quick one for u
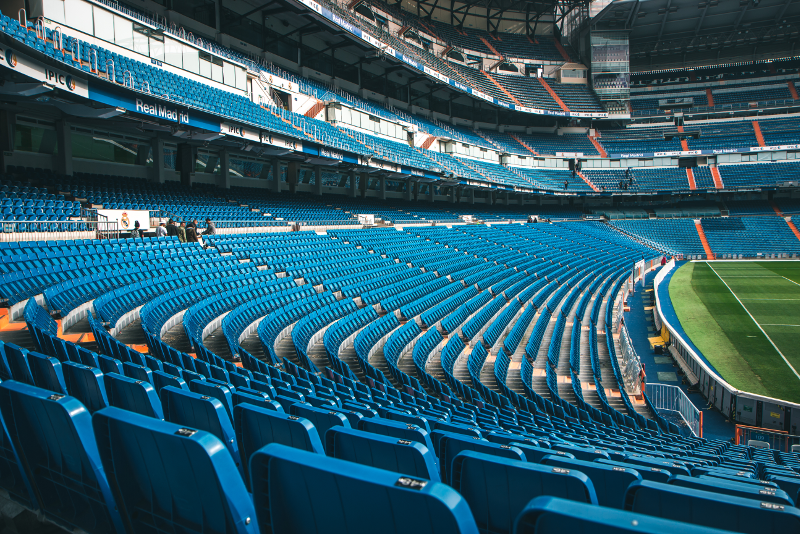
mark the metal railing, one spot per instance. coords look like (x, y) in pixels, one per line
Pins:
(631, 364)
(777, 439)
(672, 399)
(57, 230)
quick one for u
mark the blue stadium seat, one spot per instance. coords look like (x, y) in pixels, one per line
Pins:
(52, 433)
(321, 418)
(85, 384)
(134, 395)
(450, 445)
(737, 489)
(46, 373)
(399, 455)
(193, 410)
(169, 478)
(710, 509)
(497, 489)
(610, 482)
(320, 494)
(551, 515)
(256, 427)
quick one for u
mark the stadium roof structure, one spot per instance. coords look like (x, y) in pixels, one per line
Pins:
(708, 31)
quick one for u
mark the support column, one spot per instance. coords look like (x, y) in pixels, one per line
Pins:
(64, 158)
(453, 195)
(318, 180)
(431, 192)
(7, 121)
(292, 176)
(383, 187)
(352, 184)
(508, 196)
(157, 173)
(276, 175)
(184, 163)
(472, 196)
(224, 176)
(409, 188)
(362, 184)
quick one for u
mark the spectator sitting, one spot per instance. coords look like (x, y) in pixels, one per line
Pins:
(136, 232)
(161, 230)
(210, 228)
(182, 232)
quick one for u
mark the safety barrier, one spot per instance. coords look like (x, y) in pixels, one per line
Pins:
(666, 397)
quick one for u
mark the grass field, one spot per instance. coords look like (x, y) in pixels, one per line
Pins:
(745, 318)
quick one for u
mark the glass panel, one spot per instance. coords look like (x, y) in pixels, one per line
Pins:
(173, 52)
(205, 68)
(54, 10)
(241, 79)
(216, 72)
(156, 49)
(140, 43)
(228, 74)
(191, 59)
(123, 32)
(103, 24)
(78, 15)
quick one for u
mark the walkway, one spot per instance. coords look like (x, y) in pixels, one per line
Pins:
(659, 367)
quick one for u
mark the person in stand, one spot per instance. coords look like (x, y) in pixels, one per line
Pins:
(172, 229)
(182, 232)
(663, 261)
(191, 234)
(210, 228)
(137, 231)
(192, 224)
(161, 230)
(566, 184)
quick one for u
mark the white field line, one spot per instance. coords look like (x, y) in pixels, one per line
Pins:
(756, 322)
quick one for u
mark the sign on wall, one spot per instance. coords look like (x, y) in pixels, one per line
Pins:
(127, 218)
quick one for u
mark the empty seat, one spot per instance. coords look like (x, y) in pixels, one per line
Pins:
(168, 478)
(256, 427)
(52, 434)
(46, 373)
(399, 455)
(18, 364)
(162, 380)
(321, 419)
(610, 482)
(320, 494)
(551, 515)
(727, 487)
(193, 410)
(497, 489)
(133, 395)
(711, 509)
(450, 445)
(385, 427)
(85, 384)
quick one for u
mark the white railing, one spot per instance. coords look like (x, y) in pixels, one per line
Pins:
(667, 398)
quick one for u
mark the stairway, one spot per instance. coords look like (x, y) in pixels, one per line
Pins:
(709, 97)
(684, 142)
(315, 110)
(793, 90)
(523, 143)
(509, 95)
(690, 177)
(759, 136)
(792, 227)
(428, 142)
(598, 147)
(562, 51)
(588, 182)
(553, 94)
(490, 47)
(700, 232)
(717, 178)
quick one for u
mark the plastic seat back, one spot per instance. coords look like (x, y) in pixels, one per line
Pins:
(551, 515)
(321, 418)
(187, 408)
(134, 395)
(399, 455)
(711, 509)
(18, 364)
(737, 489)
(52, 434)
(498, 489)
(46, 372)
(167, 478)
(85, 384)
(320, 494)
(162, 380)
(610, 482)
(396, 429)
(256, 427)
(221, 393)
(450, 445)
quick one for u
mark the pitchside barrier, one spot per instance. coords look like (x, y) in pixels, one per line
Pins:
(662, 397)
(748, 409)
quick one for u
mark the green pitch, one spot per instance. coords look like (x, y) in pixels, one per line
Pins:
(745, 318)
